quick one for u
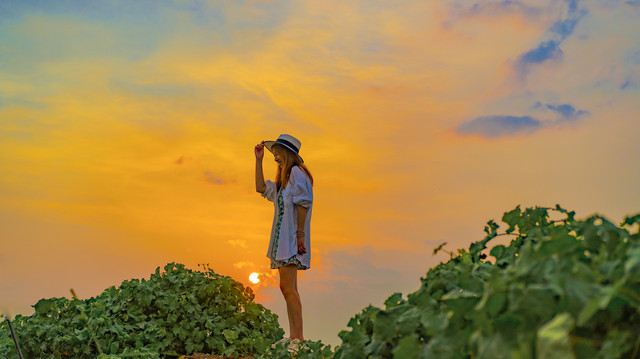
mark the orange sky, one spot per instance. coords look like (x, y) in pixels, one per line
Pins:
(127, 134)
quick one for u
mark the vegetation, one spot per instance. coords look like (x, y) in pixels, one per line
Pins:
(563, 288)
(178, 311)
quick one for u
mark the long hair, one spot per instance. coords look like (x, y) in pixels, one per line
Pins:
(288, 159)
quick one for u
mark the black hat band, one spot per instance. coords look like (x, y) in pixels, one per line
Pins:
(288, 144)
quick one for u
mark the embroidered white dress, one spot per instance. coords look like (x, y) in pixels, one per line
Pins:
(283, 245)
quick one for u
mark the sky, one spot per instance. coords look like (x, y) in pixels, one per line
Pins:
(127, 131)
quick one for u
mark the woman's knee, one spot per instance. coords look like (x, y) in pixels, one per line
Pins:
(287, 289)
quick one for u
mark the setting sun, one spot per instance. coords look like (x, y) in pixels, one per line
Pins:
(253, 278)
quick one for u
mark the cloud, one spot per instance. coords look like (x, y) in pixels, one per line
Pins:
(241, 265)
(545, 51)
(501, 125)
(631, 77)
(498, 126)
(564, 28)
(182, 160)
(566, 111)
(160, 90)
(357, 270)
(633, 2)
(549, 49)
(621, 75)
(210, 177)
(239, 243)
(628, 83)
(465, 9)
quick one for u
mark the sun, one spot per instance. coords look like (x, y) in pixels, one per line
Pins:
(253, 278)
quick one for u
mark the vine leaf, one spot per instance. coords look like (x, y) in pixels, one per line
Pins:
(435, 251)
(512, 218)
(553, 340)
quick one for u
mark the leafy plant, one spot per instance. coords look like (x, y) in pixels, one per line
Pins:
(316, 350)
(178, 311)
(561, 289)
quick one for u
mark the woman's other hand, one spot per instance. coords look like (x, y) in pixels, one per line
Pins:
(301, 248)
(259, 150)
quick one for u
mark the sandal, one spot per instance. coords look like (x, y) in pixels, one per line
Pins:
(284, 341)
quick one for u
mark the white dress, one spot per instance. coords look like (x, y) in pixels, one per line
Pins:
(283, 245)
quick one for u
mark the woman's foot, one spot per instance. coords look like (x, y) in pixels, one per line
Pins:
(296, 345)
(284, 341)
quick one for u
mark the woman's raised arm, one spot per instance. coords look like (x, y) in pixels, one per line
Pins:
(259, 151)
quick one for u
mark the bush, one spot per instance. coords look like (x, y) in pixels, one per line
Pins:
(561, 289)
(178, 311)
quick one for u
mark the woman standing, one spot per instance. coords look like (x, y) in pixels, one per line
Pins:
(289, 247)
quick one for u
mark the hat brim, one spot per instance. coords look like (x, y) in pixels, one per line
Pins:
(269, 144)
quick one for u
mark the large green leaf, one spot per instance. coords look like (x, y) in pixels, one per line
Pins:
(553, 340)
(408, 347)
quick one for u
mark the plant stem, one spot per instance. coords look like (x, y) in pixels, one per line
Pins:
(15, 339)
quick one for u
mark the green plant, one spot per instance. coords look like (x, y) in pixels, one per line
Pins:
(561, 289)
(316, 350)
(178, 311)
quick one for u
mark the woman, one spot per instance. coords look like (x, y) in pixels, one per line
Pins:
(289, 247)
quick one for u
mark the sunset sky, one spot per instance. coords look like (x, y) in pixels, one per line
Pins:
(127, 131)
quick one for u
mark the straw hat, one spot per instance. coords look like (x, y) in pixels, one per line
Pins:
(287, 141)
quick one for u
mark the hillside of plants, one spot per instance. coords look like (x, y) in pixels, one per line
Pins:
(561, 288)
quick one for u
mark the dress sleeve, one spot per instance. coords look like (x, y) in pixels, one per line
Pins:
(302, 189)
(270, 191)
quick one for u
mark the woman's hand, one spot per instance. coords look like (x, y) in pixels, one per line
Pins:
(301, 248)
(259, 150)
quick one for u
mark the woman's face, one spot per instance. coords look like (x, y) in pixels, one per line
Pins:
(276, 157)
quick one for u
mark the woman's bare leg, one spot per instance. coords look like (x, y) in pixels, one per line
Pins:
(289, 288)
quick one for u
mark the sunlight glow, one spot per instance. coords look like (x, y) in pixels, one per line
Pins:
(253, 278)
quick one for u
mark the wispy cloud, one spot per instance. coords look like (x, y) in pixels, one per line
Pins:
(621, 75)
(243, 264)
(182, 160)
(549, 49)
(498, 126)
(464, 9)
(353, 272)
(565, 27)
(631, 65)
(511, 125)
(238, 243)
(566, 111)
(630, 83)
(210, 177)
